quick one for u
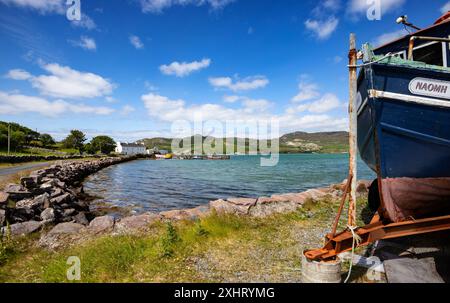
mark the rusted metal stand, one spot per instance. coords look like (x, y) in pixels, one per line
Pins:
(377, 230)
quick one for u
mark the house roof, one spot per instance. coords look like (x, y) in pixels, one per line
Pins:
(131, 145)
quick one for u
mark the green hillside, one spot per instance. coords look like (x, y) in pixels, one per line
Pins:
(297, 142)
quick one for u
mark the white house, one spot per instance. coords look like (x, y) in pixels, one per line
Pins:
(130, 148)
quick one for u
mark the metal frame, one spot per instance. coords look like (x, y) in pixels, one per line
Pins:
(376, 230)
(433, 41)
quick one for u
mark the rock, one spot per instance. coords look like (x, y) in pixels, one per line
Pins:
(47, 187)
(61, 199)
(17, 192)
(48, 214)
(57, 192)
(40, 202)
(66, 228)
(136, 223)
(2, 217)
(199, 212)
(81, 218)
(239, 206)
(267, 206)
(297, 198)
(61, 235)
(69, 212)
(363, 186)
(21, 214)
(102, 224)
(177, 215)
(223, 207)
(24, 228)
(4, 197)
(28, 182)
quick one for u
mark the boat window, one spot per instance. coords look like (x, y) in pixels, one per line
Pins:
(429, 54)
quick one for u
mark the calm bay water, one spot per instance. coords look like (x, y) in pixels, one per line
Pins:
(149, 185)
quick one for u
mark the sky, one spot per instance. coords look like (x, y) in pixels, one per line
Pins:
(130, 69)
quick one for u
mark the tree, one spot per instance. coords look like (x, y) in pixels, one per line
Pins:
(75, 140)
(89, 149)
(46, 140)
(103, 144)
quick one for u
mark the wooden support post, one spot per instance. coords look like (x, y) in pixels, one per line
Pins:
(352, 58)
(9, 138)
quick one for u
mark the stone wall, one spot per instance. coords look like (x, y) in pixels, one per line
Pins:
(50, 195)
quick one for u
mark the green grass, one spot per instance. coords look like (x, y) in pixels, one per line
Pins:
(218, 248)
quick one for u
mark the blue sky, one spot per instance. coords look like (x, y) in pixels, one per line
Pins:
(131, 68)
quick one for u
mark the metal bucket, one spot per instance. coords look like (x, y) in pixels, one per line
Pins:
(321, 272)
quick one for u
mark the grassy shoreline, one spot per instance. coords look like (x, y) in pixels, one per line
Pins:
(218, 248)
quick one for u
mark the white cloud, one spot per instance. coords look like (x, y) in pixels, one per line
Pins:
(158, 6)
(250, 30)
(184, 68)
(307, 91)
(136, 42)
(169, 110)
(127, 109)
(248, 83)
(326, 103)
(231, 99)
(18, 74)
(13, 104)
(361, 7)
(445, 8)
(388, 37)
(65, 82)
(85, 43)
(322, 29)
(85, 22)
(42, 6)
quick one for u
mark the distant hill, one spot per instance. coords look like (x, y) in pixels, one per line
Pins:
(297, 142)
(325, 142)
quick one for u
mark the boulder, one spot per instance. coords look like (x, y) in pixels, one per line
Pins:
(176, 215)
(265, 207)
(28, 182)
(61, 199)
(102, 224)
(17, 192)
(199, 212)
(24, 228)
(61, 235)
(39, 202)
(136, 223)
(224, 207)
(69, 212)
(239, 206)
(48, 214)
(66, 228)
(21, 214)
(81, 218)
(4, 197)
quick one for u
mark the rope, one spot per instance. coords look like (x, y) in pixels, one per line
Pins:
(356, 240)
(373, 62)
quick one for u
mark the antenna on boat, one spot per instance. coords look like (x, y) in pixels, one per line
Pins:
(404, 20)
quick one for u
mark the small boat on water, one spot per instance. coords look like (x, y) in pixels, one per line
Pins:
(403, 113)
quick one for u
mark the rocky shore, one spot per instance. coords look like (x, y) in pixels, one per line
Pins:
(52, 200)
(50, 196)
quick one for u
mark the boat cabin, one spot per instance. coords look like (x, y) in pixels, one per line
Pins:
(418, 47)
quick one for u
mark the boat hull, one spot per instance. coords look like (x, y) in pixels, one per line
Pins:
(404, 136)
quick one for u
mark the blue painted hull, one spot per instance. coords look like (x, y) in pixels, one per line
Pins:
(406, 143)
